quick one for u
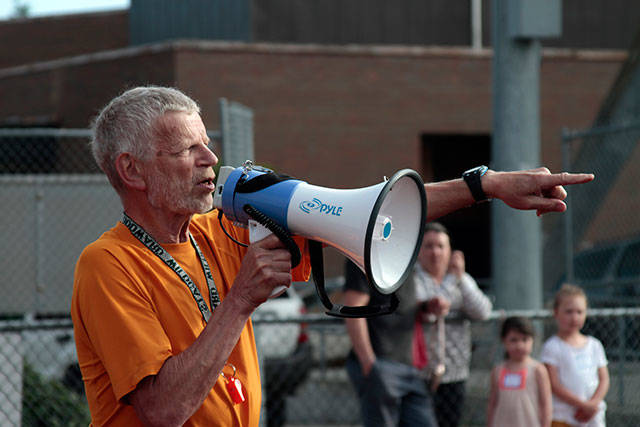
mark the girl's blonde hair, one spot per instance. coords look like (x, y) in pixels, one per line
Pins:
(568, 290)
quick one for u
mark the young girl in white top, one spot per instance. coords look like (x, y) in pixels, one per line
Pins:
(576, 363)
(520, 391)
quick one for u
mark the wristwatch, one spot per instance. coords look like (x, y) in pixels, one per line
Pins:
(473, 179)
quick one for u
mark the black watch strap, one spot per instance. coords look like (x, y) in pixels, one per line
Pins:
(473, 178)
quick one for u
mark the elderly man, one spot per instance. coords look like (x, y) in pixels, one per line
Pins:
(156, 316)
(152, 348)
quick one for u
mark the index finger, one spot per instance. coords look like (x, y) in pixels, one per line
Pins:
(565, 178)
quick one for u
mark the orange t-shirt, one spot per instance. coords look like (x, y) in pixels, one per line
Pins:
(131, 312)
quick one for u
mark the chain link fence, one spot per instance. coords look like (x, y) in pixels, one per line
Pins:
(39, 382)
(602, 228)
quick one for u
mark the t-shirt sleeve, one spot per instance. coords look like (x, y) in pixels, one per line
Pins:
(600, 355)
(119, 317)
(355, 279)
(548, 353)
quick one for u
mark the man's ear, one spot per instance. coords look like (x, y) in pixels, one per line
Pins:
(130, 171)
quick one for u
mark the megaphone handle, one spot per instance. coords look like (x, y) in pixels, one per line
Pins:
(275, 228)
(258, 232)
(338, 310)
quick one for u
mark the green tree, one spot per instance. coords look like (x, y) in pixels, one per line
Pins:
(49, 403)
(20, 9)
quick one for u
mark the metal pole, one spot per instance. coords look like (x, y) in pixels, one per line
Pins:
(517, 242)
(567, 217)
(476, 24)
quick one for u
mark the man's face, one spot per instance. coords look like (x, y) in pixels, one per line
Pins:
(435, 252)
(179, 175)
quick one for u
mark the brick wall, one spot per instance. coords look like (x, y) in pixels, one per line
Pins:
(24, 41)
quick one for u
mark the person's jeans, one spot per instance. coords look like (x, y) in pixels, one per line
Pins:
(448, 402)
(393, 394)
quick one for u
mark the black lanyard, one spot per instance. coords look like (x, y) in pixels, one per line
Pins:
(144, 237)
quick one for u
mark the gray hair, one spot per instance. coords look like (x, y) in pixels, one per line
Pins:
(127, 125)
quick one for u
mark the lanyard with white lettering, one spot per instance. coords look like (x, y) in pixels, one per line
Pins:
(144, 237)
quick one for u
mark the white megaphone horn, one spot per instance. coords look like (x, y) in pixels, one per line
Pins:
(380, 228)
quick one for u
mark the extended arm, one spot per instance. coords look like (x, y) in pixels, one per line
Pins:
(359, 331)
(172, 395)
(535, 189)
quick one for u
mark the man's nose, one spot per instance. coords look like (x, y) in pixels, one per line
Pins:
(207, 157)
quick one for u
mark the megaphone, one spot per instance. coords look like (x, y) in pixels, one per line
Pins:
(379, 228)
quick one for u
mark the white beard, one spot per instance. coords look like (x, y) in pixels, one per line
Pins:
(165, 192)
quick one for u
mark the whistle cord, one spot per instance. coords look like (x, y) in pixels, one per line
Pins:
(244, 245)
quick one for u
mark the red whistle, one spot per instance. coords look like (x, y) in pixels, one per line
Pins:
(234, 387)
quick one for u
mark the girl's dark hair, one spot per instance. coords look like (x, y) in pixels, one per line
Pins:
(518, 324)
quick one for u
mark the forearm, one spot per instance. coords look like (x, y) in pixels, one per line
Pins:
(545, 411)
(566, 395)
(445, 197)
(358, 331)
(176, 392)
(544, 396)
(476, 305)
(603, 386)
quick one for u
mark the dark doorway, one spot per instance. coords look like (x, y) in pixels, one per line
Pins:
(447, 156)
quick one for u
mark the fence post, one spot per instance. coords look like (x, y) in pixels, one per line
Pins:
(622, 355)
(567, 216)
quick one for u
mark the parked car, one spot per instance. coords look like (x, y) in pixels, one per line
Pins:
(46, 346)
(610, 274)
(52, 353)
(285, 351)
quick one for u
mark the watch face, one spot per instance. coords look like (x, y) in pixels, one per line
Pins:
(480, 170)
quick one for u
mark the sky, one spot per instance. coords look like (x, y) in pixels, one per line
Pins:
(39, 8)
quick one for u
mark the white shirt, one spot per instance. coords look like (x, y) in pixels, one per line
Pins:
(577, 371)
(467, 302)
